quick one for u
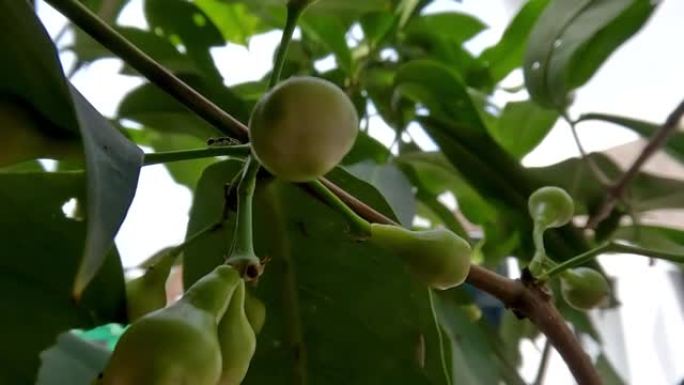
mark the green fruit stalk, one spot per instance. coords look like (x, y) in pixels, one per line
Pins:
(584, 288)
(236, 338)
(178, 344)
(438, 257)
(302, 128)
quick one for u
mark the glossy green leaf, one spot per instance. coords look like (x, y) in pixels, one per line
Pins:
(674, 144)
(508, 53)
(42, 245)
(320, 276)
(572, 39)
(112, 165)
(522, 126)
(454, 26)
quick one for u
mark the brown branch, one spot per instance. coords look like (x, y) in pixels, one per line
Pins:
(617, 190)
(80, 15)
(528, 300)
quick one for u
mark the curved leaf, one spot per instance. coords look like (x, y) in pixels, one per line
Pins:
(572, 39)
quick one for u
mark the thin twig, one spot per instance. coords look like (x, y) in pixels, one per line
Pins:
(156, 73)
(617, 190)
(593, 167)
(543, 364)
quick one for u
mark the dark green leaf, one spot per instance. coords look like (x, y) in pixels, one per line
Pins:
(508, 53)
(184, 23)
(522, 126)
(30, 71)
(330, 32)
(572, 39)
(455, 27)
(158, 48)
(41, 251)
(674, 145)
(327, 295)
(113, 165)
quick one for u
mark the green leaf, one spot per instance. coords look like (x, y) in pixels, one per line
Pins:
(41, 251)
(157, 47)
(328, 295)
(665, 239)
(366, 148)
(155, 109)
(476, 355)
(607, 372)
(30, 71)
(329, 31)
(440, 90)
(454, 26)
(572, 39)
(235, 21)
(392, 184)
(107, 10)
(72, 361)
(674, 145)
(508, 53)
(112, 165)
(522, 126)
(184, 23)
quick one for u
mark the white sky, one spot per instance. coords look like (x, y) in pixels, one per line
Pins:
(644, 79)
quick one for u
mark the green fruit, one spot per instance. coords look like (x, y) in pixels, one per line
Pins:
(551, 207)
(302, 128)
(438, 258)
(178, 344)
(256, 312)
(237, 339)
(147, 293)
(584, 288)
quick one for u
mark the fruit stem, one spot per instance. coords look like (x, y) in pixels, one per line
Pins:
(153, 158)
(242, 237)
(578, 260)
(294, 10)
(361, 225)
(537, 264)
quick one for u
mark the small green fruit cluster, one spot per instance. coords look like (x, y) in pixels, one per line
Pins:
(204, 338)
(302, 128)
(438, 257)
(551, 207)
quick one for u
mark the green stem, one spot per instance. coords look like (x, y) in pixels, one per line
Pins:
(81, 16)
(360, 224)
(175, 156)
(242, 239)
(537, 264)
(578, 260)
(294, 10)
(622, 248)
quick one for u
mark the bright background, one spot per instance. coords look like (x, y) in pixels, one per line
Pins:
(644, 79)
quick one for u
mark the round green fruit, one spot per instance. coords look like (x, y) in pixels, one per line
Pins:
(303, 128)
(438, 257)
(551, 206)
(584, 288)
